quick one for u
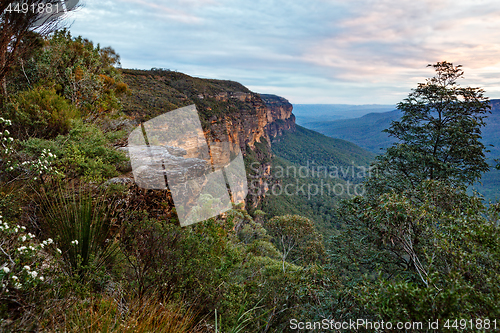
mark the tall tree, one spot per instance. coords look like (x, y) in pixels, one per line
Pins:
(439, 134)
(297, 239)
(18, 19)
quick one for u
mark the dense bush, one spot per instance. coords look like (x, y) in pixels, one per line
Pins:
(27, 269)
(84, 152)
(80, 72)
(80, 222)
(432, 258)
(40, 112)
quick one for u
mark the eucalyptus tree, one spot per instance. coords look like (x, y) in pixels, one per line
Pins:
(438, 134)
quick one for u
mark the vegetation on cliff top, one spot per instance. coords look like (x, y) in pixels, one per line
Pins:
(80, 252)
(109, 251)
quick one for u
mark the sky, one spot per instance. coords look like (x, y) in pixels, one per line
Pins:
(308, 51)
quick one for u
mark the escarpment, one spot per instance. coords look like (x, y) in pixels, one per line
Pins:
(229, 112)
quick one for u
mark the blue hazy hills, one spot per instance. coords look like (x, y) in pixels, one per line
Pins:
(363, 125)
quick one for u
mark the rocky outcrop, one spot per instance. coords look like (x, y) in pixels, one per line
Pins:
(228, 111)
(279, 113)
(260, 117)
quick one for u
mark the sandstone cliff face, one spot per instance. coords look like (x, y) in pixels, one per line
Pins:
(267, 117)
(228, 112)
(279, 113)
(252, 128)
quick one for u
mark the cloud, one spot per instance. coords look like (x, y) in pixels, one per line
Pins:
(392, 41)
(341, 48)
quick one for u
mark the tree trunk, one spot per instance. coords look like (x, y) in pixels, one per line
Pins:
(4, 86)
(3, 76)
(3, 63)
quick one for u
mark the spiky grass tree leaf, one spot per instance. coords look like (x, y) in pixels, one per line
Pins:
(80, 222)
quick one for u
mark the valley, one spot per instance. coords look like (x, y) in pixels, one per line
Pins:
(366, 132)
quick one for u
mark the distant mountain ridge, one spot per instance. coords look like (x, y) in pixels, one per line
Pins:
(306, 113)
(366, 131)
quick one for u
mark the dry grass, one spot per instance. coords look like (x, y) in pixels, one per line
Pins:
(108, 315)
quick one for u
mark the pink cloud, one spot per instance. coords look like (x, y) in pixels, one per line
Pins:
(384, 40)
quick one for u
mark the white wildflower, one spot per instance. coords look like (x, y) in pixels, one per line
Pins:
(5, 269)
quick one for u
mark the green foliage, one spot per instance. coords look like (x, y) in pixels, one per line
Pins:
(168, 259)
(80, 222)
(7, 143)
(435, 251)
(84, 152)
(82, 73)
(439, 134)
(243, 320)
(305, 146)
(316, 195)
(417, 247)
(27, 266)
(40, 112)
(297, 239)
(79, 73)
(295, 293)
(463, 282)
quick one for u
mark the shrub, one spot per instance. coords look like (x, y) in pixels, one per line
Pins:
(84, 152)
(40, 112)
(26, 268)
(81, 72)
(297, 239)
(80, 223)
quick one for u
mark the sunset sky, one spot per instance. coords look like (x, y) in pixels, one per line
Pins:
(308, 51)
